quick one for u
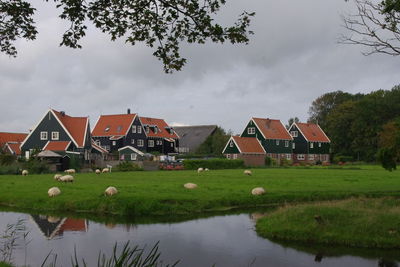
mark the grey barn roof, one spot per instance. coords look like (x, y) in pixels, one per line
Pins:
(193, 136)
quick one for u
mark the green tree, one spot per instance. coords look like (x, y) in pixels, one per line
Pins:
(389, 143)
(291, 121)
(160, 24)
(214, 144)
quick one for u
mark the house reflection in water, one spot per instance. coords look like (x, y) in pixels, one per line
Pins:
(55, 226)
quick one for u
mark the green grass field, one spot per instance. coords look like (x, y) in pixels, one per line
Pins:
(162, 192)
(355, 222)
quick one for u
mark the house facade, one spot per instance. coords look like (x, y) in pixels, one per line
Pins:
(59, 132)
(113, 132)
(310, 143)
(249, 149)
(273, 136)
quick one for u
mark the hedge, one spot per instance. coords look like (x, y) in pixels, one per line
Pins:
(213, 164)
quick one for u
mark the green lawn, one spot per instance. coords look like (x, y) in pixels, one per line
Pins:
(162, 192)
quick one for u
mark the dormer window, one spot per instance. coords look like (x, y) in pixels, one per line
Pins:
(107, 129)
(147, 129)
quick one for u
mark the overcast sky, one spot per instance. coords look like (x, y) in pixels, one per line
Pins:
(292, 59)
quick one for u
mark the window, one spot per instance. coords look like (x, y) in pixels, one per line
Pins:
(319, 144)
(133, 128)
(172, 144)
(251, 130)
(133, 141)
(139, 129)
(114, 143)
(293, 145)
(294, 133)
(55, 135)
(43, 135)
(155, 130)
(228, 156)
(147, 129)
(311, 157)
(107, 129)
(311, 145)
(286, 143)
(133, 156)
(231, 143)
(235, 156)
(97, 142)
(288, 156)
(151, 143)
(159, 142)
(301, 157)
(277, 142)
(140, 142)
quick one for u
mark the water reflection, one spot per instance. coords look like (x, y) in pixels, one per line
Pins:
(224, 240)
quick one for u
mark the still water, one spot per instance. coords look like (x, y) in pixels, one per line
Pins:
(228, 240)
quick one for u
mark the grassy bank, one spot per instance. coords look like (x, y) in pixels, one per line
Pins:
(162, 192)
(361, 222)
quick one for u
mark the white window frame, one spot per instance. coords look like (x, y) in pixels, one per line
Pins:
(235, 156)
(97, 142)
(114, 143)
(277, 142)
(319, 144)
(251, 130)
(133, 128)
(293, 145)
(301, 157)
(288, 156)
(150, 143)
(140, 142)
(294, 133)
(311, 144)
(147, 129)
(139, 129)
(55, 135)
(286, 143)
(311, 156)
(228, 156)
(132, 141)
(43, 136)
(133, 156)
(159, 142)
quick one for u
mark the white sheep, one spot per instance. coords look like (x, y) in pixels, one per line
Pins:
(105, 170)
(111, 190)
(190, 186)
(199, 170)
(97, 171)
(25, 172)
(70, 171)
(206, 169)
(66, 178)
(247, 172)
(57, 177)
(258, 191)
(54, 191)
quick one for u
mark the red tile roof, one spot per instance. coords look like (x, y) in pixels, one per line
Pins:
(248, 145)
(272, 129)
(57, 145)
(110, 125)
(161, 125)
(74, 225)
(312, 132)
(14, 147)
(76, 126)
(12, 137)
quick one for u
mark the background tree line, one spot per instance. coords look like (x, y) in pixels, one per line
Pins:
(362, 126)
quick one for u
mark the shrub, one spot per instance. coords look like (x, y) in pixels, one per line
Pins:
(268, 161)
(7, 159)
(35, 166)
(342, 158)
(127, 166)
(10, 169)
(213, 164)
(285, 162)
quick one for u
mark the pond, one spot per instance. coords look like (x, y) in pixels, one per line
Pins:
(223, 240)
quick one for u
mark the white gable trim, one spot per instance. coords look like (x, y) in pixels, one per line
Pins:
(238, 147)
(130, 125)
(44, 148)
(65, 129)
(141, 125)
(223, 151)
(252, 119)
(34, 128)
(86, 130)
(301, 132)
(133, 149)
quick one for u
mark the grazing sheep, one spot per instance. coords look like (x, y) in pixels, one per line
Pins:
(105, 170)
(25, 172)
(190, 186)
(206, 169)
(111, 190)
(97, 171)
(54, 191)
(199, 170)
(66, 178)
(258, 191)
(247, 172)
(70, 171)
(57, 177)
